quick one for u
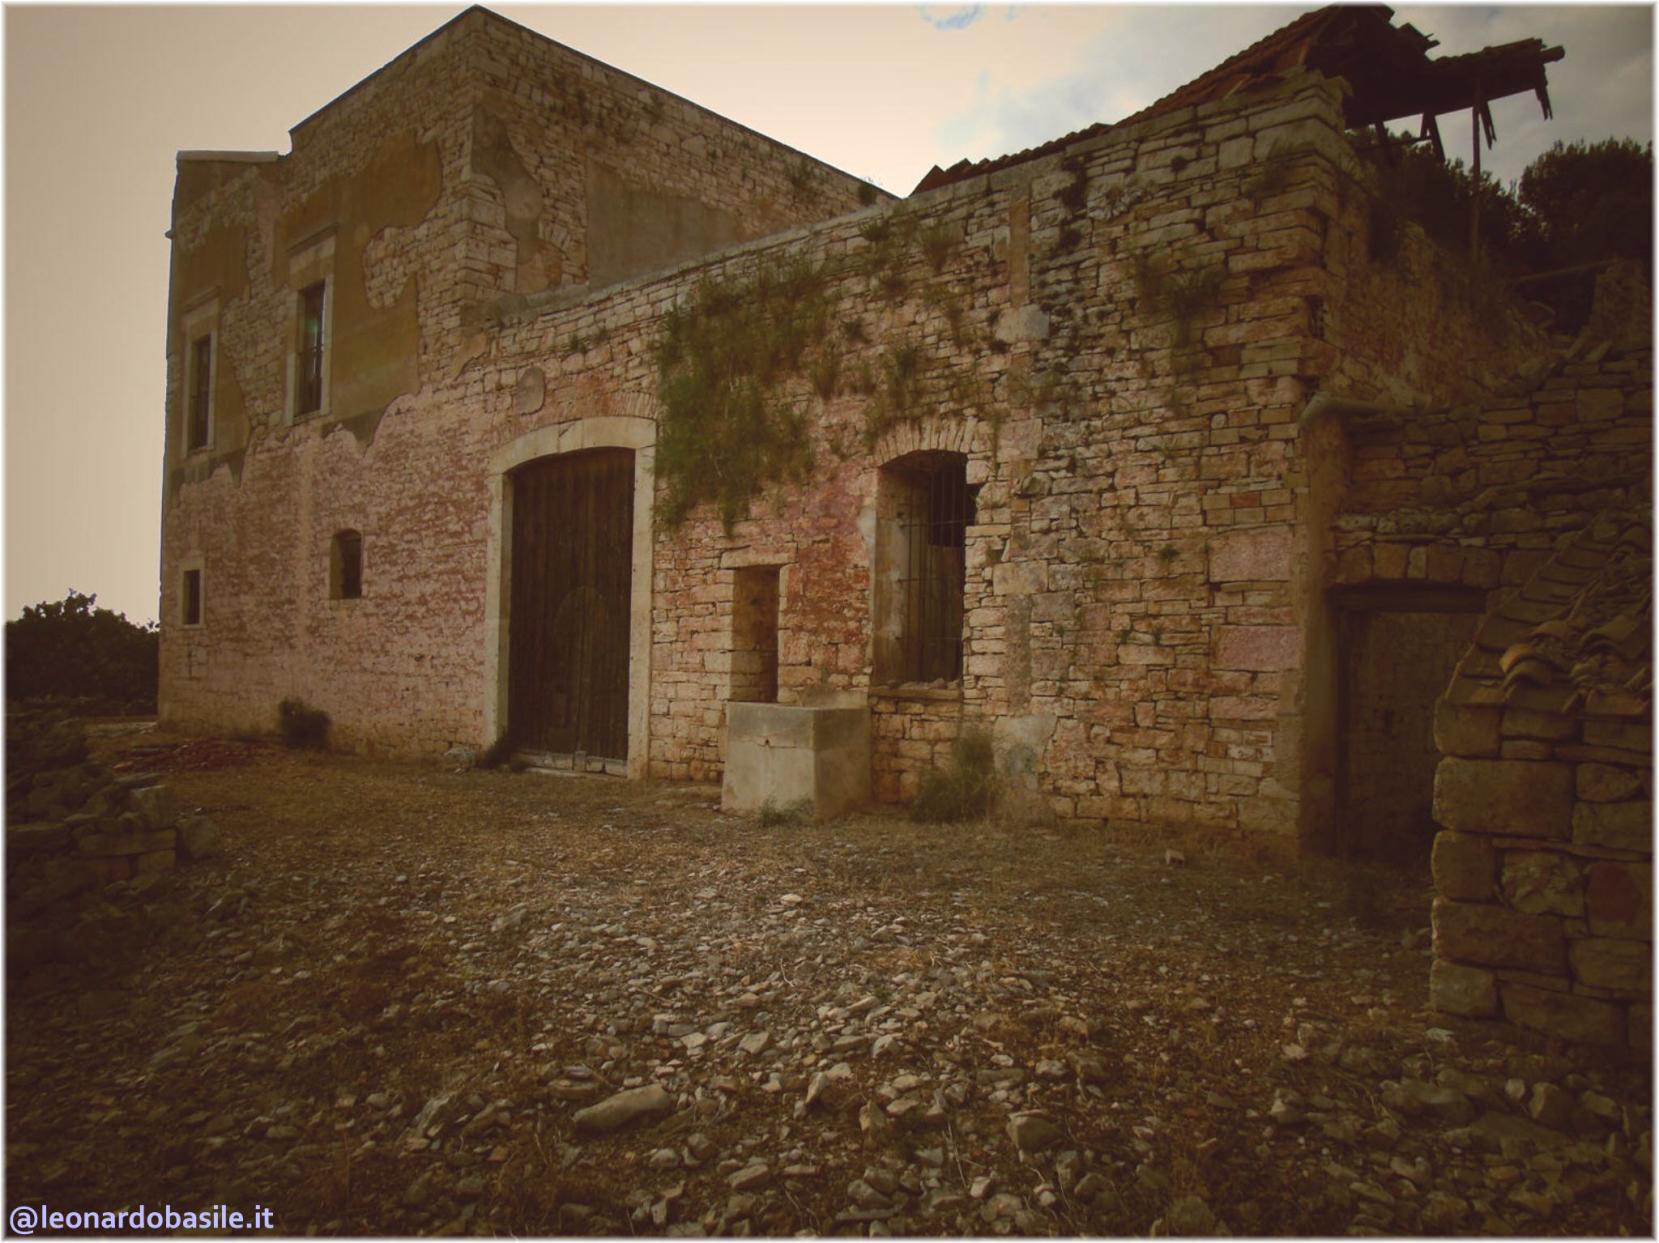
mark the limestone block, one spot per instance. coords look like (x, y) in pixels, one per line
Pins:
(1494, 937)
(1465, 866)
(1520, 723)
(1538, 882)
(1620, 899)
(1024, 323)
(1607, 783)
(788, 755)
(1254, 554)
(199, 837)
(1468, 991)
(1257, 647)
(155, 806)
(1468, 730)
(531, 390)
(1622, 966)
(1639, 1031)
(153, 861)
(1019, 578)
(1582, 1019)
(105, 844)
(1522, 798)
(1623, 826)
(1626, 735)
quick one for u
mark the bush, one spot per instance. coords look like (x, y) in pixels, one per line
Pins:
(70, 649)
(301, 725)
(964, 789)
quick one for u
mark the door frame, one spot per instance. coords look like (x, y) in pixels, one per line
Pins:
(1352, 607)
(601, 432)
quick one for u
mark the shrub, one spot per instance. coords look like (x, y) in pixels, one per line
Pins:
(301, 725)
(71, 649)
(965, 788)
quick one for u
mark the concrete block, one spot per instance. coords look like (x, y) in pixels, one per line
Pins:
(789, 755)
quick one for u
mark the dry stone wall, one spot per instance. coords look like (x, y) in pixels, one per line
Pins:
(1544, 866)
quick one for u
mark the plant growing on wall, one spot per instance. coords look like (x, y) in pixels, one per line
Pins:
(727, 427)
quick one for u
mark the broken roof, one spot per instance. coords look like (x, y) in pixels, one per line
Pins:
(1387, 66)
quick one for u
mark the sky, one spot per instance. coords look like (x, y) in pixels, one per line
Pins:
(98, 100)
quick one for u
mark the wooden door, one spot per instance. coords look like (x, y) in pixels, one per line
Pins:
(573, 524)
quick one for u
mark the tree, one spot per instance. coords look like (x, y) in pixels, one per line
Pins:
(1591, 201)
(72, 649)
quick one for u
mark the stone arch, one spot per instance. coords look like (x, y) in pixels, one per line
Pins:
(601, 432)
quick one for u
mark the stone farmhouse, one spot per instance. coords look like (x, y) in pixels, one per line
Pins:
(524, 403)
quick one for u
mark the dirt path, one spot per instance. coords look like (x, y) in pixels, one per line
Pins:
(381, 1011)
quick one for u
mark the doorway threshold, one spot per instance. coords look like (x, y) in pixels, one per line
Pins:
(569, 765)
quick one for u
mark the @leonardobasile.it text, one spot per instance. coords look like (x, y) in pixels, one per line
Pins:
(40, 1218)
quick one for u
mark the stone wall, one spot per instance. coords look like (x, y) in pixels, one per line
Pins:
(1544, 867)
(1131, 621)
(1129, 340)
(428, 210)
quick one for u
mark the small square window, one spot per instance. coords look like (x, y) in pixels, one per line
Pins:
(199, 401)
(345, 566)
(191, 606)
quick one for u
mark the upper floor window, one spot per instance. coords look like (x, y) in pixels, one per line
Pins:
(311, 329)
(199, 330)
(199, 399)
(345, 566)
(310, 360)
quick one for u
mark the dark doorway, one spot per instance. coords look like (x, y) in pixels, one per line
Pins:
(1399, 648)
(573, 523)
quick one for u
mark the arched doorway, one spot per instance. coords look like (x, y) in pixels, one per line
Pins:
(571, 588)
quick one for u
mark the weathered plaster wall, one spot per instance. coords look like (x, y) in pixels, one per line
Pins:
(414, 186)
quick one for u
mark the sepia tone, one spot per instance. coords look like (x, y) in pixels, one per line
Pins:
(1261, 531)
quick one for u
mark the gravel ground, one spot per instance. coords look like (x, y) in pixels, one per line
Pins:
(414, 1001)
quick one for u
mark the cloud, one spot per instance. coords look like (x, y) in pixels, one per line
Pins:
(952, 19)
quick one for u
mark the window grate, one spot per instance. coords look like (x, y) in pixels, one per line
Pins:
(940, 508)
(311, 348)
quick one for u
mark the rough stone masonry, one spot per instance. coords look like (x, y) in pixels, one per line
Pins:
(1125, 449)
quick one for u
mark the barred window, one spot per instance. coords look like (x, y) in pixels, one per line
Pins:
(311, 348)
